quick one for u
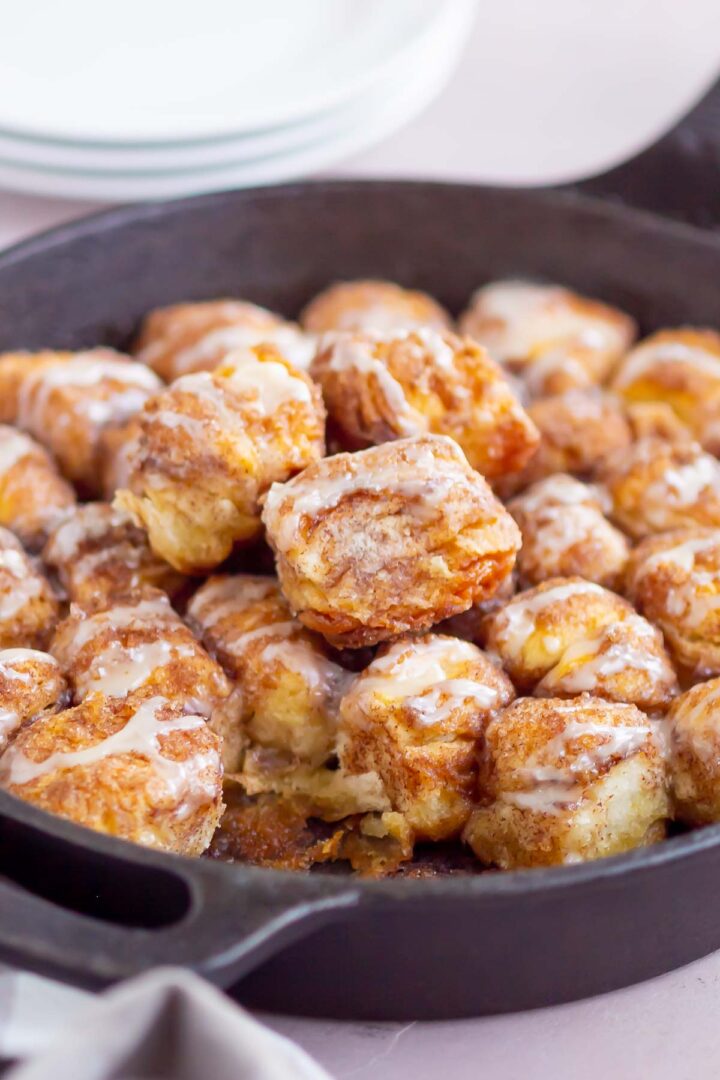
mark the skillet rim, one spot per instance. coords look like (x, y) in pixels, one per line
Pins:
(489, 884)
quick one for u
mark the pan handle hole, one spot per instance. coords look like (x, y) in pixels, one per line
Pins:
(104, 887)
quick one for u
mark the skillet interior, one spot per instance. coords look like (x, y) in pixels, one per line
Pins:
(415, 949)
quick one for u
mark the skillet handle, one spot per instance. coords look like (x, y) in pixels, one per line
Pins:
(91, 910)
(678, 176)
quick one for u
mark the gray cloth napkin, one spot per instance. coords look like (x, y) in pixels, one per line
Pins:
(168, 1023)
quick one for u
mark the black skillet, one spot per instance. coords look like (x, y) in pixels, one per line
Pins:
(90, 909)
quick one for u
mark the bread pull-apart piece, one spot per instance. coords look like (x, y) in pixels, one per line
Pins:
(28, 605)
(33, 494)
(31, 684)
(66, 400)
(118, 447)
(211, 444)
(373, 305)
(570, 636)
(674, 579)
(531, 631)
(554, 338)
(681, 370)
(568, 781)
(624, 661)
(145, 771)
(138, 646)
(577, 430)
(388, 540)
(184, 338)
(693, 735)
(655, 486)
(290, 688)
(414, 717)
(565, 533)
(382, 388)
(99, 553)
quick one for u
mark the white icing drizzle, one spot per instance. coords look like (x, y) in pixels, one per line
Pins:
(349, 352)
(555, 491)
(682, 485)
(298, 347)
(319, 674)
(269, 384)
(124, 616)
(177, 420)
(519, 614)
(8, 722)
(8, 657)
(534, 318)
(421, 478)
(653, 353)
(697, 725)
(417, 675)
(639, 651)
(210, 393)
(226, 596)
(140, 735)
(238, 642)
(14, 446)
(552, 362)
(26, 584)
(86, 371)
(90, 522)
(555, 786)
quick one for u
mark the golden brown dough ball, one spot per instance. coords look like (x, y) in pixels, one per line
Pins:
(373, 305)
(377, 389)
(98, 554)
(211, 444)
(469, 624)
(655, 486)
(625, 661)
(290, 688)
(33, 495)
(28, 605)
(14, 369)
(184, 338)
(681, 370)
(693, 733)
(569, 636)
(31, 683)
(565, 533)
(118, 447)
(531, 631)
(389, 540)
(66, 401)
(674, 579)
(144, 771)
(577, 430)
(568, 781)
(414, 717)
(554, 338)
(140, 647)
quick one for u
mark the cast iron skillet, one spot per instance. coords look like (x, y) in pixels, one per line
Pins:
(90, 909)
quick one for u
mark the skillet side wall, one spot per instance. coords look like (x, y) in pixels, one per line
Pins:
(92, 281)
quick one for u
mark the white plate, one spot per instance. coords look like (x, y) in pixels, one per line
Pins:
(208, 153)
(385, 116)
(159, 70)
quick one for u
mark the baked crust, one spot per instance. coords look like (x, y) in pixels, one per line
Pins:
(372, 305)
(389, 540)
(378, 388)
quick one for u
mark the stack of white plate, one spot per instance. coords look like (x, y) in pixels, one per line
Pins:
(158, 98)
